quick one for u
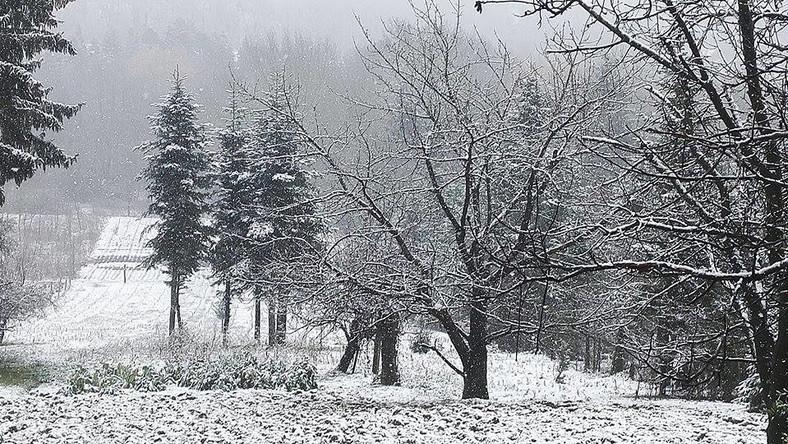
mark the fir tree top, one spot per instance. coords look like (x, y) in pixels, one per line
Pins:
(178, 183)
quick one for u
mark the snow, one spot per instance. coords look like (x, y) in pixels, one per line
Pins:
(102, 318)
(100, 309)
(282, 177)
(334, 416)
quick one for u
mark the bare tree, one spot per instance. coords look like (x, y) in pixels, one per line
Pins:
(460, 199)
(717, 160)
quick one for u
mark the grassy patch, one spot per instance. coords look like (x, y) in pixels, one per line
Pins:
(22, 375)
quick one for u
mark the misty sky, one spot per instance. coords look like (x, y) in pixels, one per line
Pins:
(127, 50)
(330, 19)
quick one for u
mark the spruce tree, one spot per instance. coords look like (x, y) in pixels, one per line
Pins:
(283, 226)
(178, 185)
(231, 196)
(26, 113)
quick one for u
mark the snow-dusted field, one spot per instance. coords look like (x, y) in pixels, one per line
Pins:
(100, 309)
(331, 415)
(101, 317)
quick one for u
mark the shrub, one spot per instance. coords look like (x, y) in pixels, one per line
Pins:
(111, 378)
(240, 370)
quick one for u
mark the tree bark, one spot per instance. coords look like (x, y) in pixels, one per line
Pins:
(173, 303)
(226, 310)
(777, 429)
(617, 365)
(256, 317)
(351, 350)
(587, 355)
(271, 321)
(3, 326)
(475, 363)
(542, 308)
(389, 336)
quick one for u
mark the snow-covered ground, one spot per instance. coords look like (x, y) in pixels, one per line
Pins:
(101, 317)
(332, 416)
(101, 309)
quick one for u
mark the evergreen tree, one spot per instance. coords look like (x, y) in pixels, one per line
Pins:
(283, 226)
(26, 114)
(230, 224)
(178, 184)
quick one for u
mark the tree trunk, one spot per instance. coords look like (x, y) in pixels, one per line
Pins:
(587, 355)
(617, 365)
(475, 381)
(281, 322)
(475, 362)
(226, 310)
(353, 336)
(777, 430)
(389, 336)
(351, 350)
(257, 317)
(173, 304)
(542, 308)
(3, 326)
(271, 321)
(178, 308)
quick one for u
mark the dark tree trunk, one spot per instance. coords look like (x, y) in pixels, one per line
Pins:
(542, 308)
(475, 362)
(257, 317)
(178, 305)
(281, 322)
(3, 326)
(587, 355)
(226, 310)
(271, 321)
(351, 350)
(777, 382)
(475, 381)
(617, 365)
(173, 304)
(389, 336)
(353, 336)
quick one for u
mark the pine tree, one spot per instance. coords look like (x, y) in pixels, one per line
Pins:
(26, 114)
(230, 224)
(528, 110)
(178, 184)
(282, 217)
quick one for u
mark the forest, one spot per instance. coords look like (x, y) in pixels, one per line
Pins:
(569, 228)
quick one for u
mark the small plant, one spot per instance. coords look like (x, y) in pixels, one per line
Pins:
(111, 378)
(750, 391)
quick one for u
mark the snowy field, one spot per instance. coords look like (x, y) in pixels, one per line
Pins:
(103, 318)
(100, 309)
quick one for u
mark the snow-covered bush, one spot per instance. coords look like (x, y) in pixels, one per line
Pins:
(111, 378)
(749, 391)
(243, 370)
(239, 370)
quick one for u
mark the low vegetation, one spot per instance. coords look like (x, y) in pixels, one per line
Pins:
(231, 371)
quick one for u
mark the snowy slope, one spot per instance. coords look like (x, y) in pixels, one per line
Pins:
(100, 309)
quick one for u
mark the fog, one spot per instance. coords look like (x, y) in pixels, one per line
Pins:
(127, 50)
